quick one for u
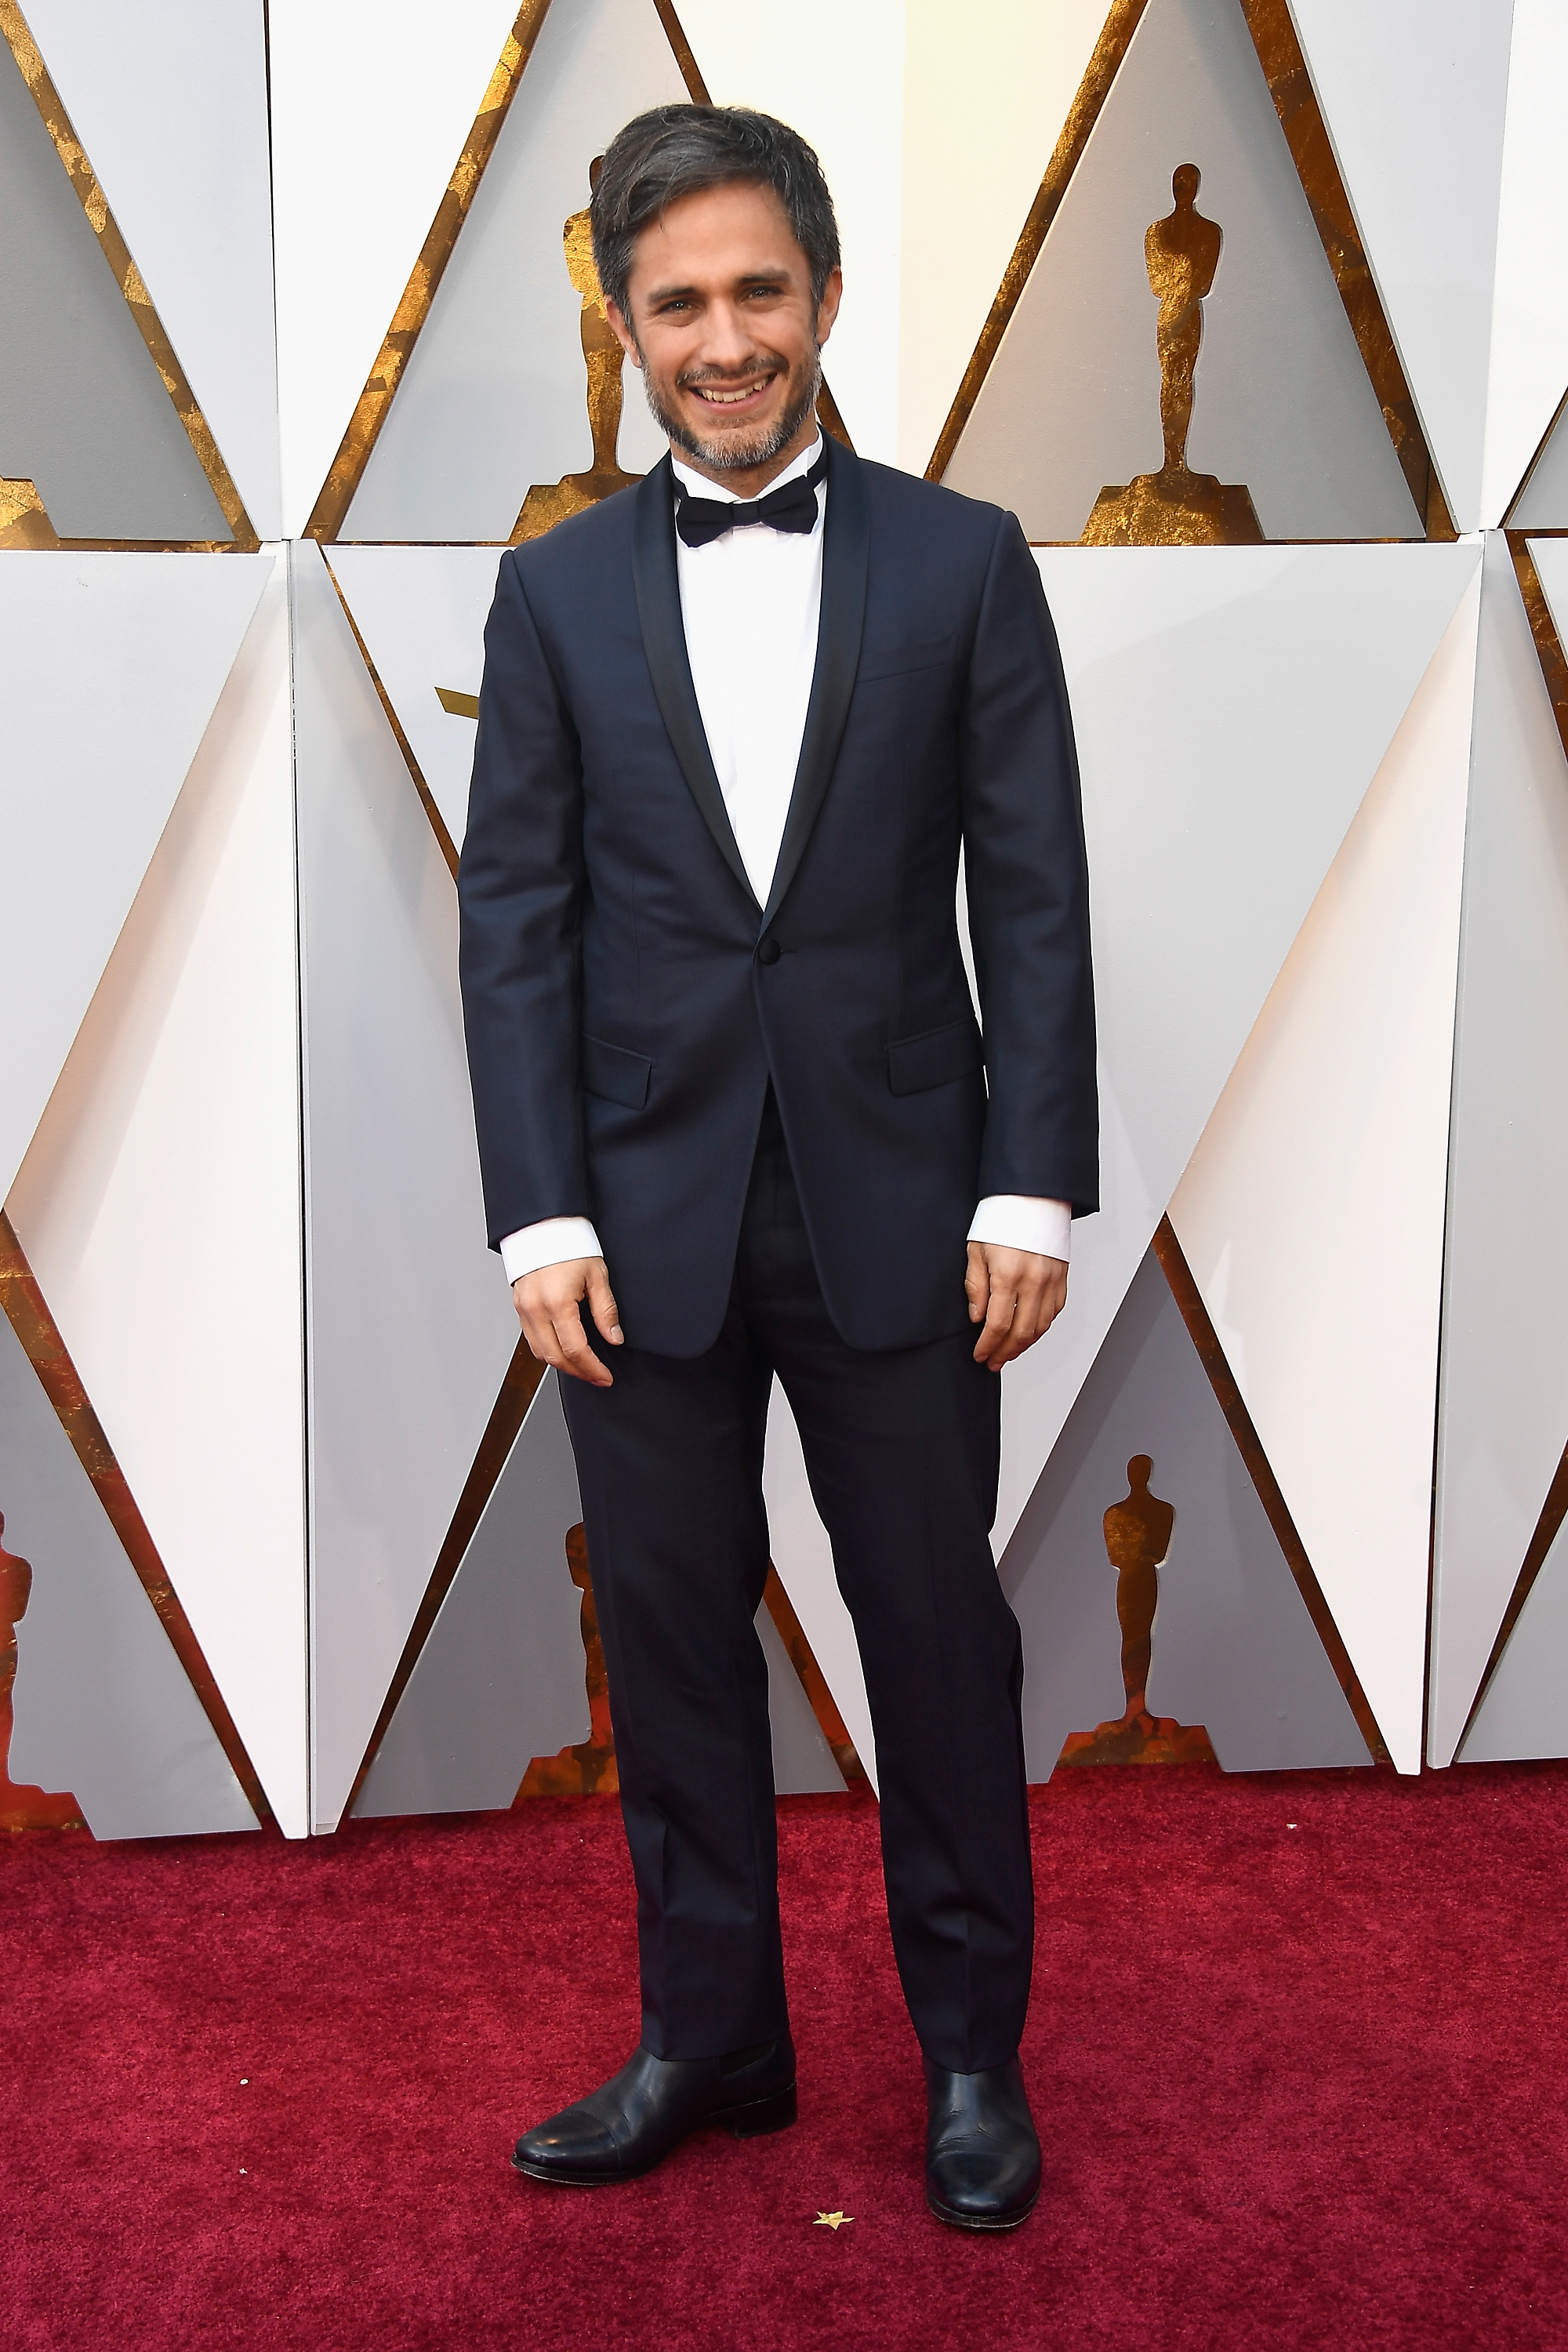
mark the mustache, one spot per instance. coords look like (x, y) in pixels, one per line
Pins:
(757, 363)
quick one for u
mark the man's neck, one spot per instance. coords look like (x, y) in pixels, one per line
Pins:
(751, 481)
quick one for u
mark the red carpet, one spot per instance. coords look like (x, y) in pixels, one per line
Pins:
(1299, 2086)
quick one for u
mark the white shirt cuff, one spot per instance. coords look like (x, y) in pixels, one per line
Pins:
(548, 1242)
(1012, 1221)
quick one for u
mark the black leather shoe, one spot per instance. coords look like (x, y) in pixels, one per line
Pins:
(626, 2128)
(982, 2159)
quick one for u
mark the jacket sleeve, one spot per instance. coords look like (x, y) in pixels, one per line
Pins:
(520, 892)
(1027, 882)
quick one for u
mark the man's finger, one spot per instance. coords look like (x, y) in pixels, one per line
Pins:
(998, 1322)
(577, 1357)
(602, 1301)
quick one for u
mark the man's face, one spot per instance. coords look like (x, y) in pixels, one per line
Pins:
(723, 326)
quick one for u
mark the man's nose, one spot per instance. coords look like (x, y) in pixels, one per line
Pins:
(728, 340)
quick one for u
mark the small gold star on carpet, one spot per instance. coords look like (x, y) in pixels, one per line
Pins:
(833, 2221)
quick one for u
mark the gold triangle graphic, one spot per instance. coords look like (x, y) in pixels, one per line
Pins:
(1273, 37)
(27, 1312)
(27, 525)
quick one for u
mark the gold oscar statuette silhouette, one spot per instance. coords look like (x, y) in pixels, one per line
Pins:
(1138, 1533)
(21, 1808)
(1176, 507)
(589, 1768)
(548, 503)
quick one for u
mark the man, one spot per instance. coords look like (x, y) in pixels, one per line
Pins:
(735, 725)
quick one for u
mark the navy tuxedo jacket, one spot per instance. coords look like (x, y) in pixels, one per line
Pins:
(627, 1000)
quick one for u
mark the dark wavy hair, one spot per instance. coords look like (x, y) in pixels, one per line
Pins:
(676, 151)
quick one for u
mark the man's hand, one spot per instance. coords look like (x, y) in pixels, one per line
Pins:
(547, 1303)
(1017, 1294)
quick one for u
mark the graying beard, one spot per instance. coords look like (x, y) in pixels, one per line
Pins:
(731, 455)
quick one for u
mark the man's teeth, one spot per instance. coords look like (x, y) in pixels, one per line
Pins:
(727, 399)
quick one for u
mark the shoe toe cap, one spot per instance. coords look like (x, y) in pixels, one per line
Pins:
(984, 2185)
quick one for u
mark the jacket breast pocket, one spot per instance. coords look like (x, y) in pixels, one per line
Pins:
(897, 661)
(614, 1074)
(934, 1059)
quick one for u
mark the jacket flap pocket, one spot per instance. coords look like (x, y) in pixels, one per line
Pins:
(894, 661)
(618, 1075)
(916, 1063)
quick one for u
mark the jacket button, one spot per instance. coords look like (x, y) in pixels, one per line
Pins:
(769, 951)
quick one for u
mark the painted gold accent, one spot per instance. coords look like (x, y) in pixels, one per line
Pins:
(1222, 1380)
(460, 706)
(1138, 1533)
(1542, 628)
(1175, 506)
(1553, 1511)
(523, 1375)
(1311, 152)
(22, 522)
(1082, 115)
(444, 841)
(1295, 102)
(548, 504)
(696, 86)
(128, 277)
(813, 1681)
(28, 1314)
(22, 1806)
(369, 410)
(589, 1768)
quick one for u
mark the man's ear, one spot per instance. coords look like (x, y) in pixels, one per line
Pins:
(628, 341)
(827, 308)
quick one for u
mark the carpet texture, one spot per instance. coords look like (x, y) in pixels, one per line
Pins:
(1297, 2050)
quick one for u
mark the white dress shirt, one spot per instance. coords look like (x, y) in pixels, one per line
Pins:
(750, 602)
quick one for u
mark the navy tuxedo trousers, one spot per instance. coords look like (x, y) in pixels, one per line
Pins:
(901, 1447)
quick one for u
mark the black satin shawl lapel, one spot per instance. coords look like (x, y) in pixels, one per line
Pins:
(846, 539)
(663, 643)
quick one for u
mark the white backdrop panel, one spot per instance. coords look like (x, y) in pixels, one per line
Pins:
(1413, 94)
(421, 612)
(114, 664)
(1235, 1649)
(1232, 706)
(159, 1205)
(1523, 1712)
(103, 1709)
(169, 103)
(1530, 318)
(1311, 1211)
(837, 75)
(494, 397)
(1283, 403)
(1504, 1416)
(410, 1323)
(370, 110)
(986, 96)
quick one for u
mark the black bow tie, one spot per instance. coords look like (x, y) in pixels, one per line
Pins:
(793, 507)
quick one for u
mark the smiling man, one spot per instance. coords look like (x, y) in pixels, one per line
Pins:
(737, 1121)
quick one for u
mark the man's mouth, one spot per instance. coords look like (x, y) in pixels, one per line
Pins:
(719, 395)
